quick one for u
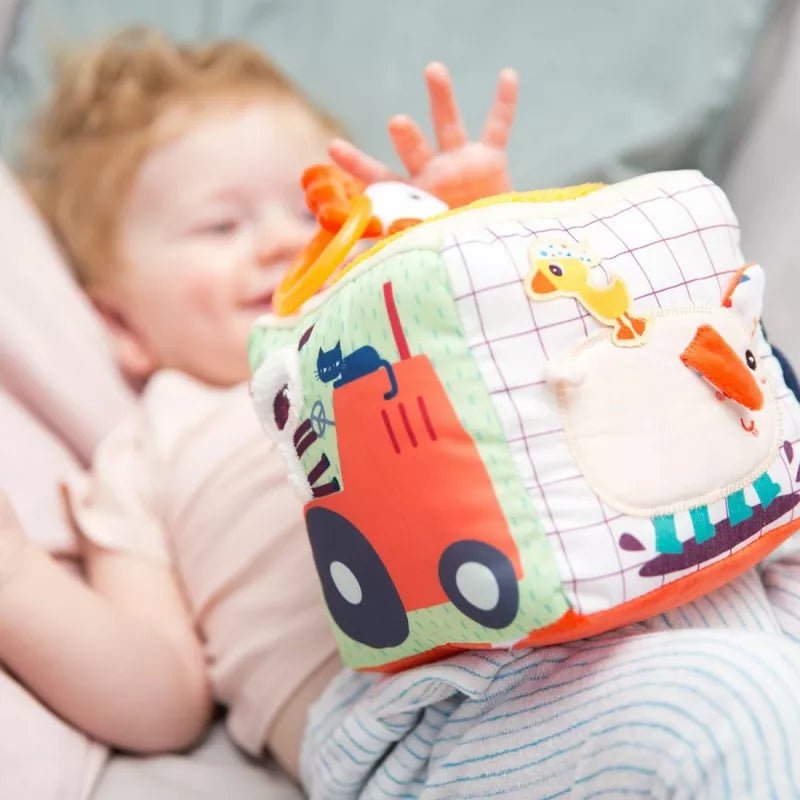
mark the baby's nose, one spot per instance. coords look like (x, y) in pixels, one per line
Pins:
(281, 236)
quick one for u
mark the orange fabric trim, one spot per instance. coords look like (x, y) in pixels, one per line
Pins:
(577, 626)
(726, 297)
(402, 224)
(721, 365)
(329, 192)
(705, 580)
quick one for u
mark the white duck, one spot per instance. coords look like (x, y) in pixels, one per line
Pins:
(685, 419)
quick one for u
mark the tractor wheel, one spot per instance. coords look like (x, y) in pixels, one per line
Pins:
(358, 589)
(479, 580)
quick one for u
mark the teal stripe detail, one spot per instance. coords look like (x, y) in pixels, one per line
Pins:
(666, 537)
(767, 489)
(701, 522)
(738, 510)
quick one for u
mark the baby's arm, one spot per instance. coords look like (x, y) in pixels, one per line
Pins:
(462, 171)
(118, 660)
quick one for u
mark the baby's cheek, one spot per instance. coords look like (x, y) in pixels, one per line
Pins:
(205, 293)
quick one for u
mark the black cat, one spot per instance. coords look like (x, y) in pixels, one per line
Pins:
(333, 366)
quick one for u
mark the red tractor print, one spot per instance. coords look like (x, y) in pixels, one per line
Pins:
(416, 522)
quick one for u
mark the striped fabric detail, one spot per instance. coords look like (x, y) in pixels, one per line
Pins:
(702, 702)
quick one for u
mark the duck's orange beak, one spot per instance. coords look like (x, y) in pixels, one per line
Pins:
(710, 355)
(540, 283)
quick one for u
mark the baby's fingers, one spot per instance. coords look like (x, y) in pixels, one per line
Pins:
(357, 163)
(501, 115)
(410, 143)
(447, 123)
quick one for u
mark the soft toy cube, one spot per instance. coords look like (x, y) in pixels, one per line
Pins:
(533, 419)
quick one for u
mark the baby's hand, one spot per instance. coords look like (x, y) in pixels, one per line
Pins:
(462, 171)
(13, 541)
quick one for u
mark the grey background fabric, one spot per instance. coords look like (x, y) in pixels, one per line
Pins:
(608, 88)
(763, 183)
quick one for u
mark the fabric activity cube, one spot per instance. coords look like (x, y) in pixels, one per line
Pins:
(533, 419)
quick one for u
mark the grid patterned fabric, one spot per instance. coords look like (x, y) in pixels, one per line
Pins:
(674, 240)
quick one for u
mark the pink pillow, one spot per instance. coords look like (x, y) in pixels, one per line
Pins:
(55, 358)
(43, 758)
(60, 393)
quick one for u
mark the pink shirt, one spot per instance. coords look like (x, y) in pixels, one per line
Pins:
(191, 478)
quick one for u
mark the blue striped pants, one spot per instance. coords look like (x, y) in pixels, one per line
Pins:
(701, 702)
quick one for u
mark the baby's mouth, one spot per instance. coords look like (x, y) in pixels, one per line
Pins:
(260, 303)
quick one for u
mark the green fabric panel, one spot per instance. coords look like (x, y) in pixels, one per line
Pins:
(264, 340)
(355, 316)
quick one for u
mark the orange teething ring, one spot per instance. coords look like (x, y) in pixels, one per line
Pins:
(319, 259)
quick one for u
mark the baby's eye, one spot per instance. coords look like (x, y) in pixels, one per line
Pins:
(223, 227)
(302, 214)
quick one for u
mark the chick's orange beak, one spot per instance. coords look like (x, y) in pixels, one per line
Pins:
(710, 355)
(541, 285)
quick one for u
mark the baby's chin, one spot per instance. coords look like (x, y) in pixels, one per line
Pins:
(233, 372)
(228, 364)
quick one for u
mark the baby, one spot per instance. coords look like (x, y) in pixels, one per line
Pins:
(170, 176)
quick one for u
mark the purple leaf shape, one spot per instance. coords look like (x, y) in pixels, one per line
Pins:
(629, 542)
(789, 450)
(304, 338)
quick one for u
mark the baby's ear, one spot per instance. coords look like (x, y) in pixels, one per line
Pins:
(745, 293)
(129, 348)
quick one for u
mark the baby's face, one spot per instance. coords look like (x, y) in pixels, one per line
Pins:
(213, 218)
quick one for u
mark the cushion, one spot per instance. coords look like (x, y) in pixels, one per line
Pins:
(59, 393)
(608, 90)
(59, 388)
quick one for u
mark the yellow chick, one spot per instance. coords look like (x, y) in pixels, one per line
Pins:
(561, 269)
